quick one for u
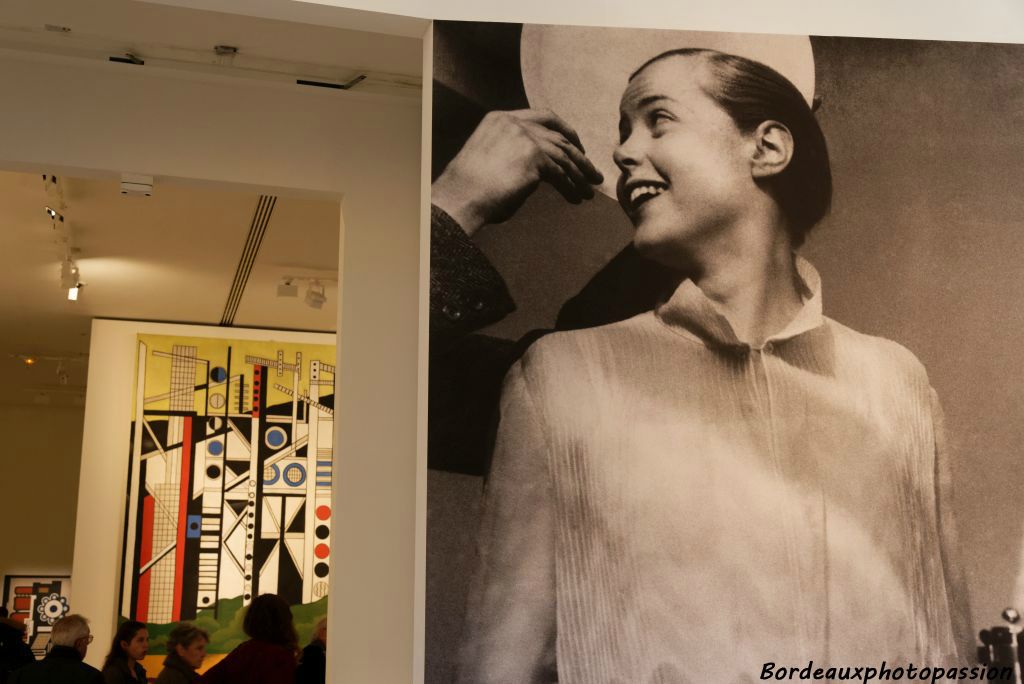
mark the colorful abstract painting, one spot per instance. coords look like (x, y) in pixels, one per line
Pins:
(229, 486)
(38, 602)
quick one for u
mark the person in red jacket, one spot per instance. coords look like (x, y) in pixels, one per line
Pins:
(269, 656)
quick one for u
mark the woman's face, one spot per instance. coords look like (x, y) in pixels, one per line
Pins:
(685, 166)
(138, 647)
(194, 653)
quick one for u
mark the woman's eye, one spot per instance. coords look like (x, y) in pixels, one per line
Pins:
(659, 116)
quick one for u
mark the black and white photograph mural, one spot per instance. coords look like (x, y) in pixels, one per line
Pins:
(723, 375)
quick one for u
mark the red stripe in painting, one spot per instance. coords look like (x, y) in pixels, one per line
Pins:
(145, 555)
(179, 549)
(257, 390)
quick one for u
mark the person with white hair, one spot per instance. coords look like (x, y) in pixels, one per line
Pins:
(69, 643)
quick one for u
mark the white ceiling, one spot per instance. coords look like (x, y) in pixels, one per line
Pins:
(172, 256)
(146, 29)
(169, 257)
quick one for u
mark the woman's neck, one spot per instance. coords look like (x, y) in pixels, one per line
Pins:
(750, 273)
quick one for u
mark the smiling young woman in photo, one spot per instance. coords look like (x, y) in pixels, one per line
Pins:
(731, 478)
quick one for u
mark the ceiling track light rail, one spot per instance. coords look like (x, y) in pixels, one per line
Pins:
(336, 86)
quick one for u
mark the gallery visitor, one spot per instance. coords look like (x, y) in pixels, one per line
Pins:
(69, 644)
(269, 656)
(123, 664)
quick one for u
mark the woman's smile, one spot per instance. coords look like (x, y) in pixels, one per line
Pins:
(684, 165)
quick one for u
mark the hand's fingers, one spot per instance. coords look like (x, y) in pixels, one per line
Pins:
(554, 174)
(547, 118)
(582, 162)
(568, 166)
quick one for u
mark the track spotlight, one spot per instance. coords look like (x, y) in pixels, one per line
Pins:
(73, 292)
(315, 295)
(54, 215)
(69, 274)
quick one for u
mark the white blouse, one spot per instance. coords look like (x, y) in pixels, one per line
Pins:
(669, 505)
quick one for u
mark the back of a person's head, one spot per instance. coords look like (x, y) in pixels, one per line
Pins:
(184, 634)
(68, 630)
(320, 630)
(270, 619)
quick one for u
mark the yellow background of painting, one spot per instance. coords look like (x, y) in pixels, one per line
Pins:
(154, 664)
(214, 350)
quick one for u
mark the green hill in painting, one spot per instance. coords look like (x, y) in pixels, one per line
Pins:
(224, 623)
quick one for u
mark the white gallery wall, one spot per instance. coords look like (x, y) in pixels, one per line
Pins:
(100, 119)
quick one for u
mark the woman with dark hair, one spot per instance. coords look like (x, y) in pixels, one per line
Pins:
(730, 479)
(269, 656)
(123, 664)
(186, 650)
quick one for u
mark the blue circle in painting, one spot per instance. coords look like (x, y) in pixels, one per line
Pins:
(215, 448)
(295, 475)
(218, 374)
(276, 437)
(271, 475)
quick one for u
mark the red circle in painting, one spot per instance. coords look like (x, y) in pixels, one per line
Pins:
(323, 512)
(322, 551)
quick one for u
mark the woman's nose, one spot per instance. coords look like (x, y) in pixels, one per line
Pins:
(627, 154)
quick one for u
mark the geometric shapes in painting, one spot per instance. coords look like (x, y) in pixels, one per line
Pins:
(51, 608)
(275, 438)
(295, 475)
(38, 602)
(221, 503)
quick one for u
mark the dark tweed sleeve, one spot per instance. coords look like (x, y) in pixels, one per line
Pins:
(466, 292)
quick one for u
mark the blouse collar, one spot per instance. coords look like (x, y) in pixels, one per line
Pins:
(690, 309)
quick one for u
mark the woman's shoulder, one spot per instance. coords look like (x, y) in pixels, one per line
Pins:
(880, 352)
(584, 343)
(174, 675)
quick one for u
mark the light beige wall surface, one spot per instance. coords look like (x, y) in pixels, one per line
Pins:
(39, 464)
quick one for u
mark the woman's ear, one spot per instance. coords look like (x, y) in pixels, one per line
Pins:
(773, 149)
